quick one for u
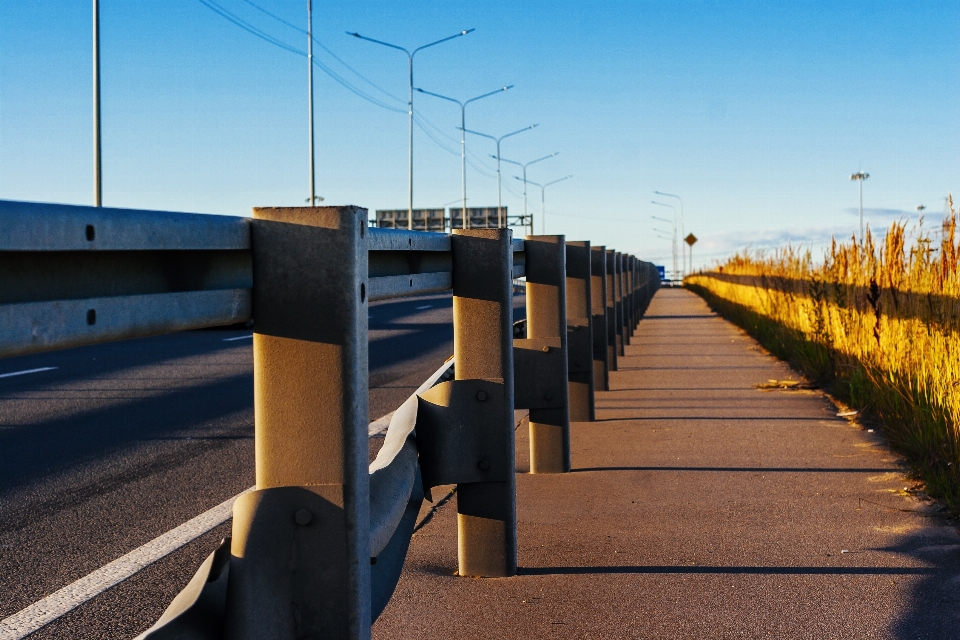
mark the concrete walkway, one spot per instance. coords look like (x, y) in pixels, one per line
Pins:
(701, 507)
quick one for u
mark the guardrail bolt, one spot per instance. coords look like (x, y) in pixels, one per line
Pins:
(482, 397)
(303, 517)
(483, 465)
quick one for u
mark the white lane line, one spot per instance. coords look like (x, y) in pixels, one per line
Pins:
(238, 338)
(73, 595)
(25, 372)
(426, 306)
(45, 611)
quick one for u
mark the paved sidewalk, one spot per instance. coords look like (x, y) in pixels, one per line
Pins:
(700, 507)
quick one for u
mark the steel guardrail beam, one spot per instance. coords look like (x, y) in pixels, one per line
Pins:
(73, 275)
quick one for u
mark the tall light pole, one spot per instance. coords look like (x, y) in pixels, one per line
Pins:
(313, 171)
(463, 138)
(676, 272)
(860, 176)
(523, 166)
(410, 55)
(97, 178)
(498, 140)
(543, 206)
(683, 249)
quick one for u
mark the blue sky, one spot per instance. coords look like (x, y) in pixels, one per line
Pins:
(754, 112)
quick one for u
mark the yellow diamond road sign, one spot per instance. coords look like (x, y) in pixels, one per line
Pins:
(690, 239)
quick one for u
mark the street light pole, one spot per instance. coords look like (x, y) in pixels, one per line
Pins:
(543, 206)
(676, 272)
(498, 140)
(97, 177)
(683, 249)
(463, 138)
(523, 166)
(860, 176)
(313, 170)
(410, 55)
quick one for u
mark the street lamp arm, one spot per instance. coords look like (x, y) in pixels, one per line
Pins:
(555, 153)
(437, 95)
(483, 135)
(487, 95)
(536, 184)
(513, 133)
(457, 35)
(519, 164)
(558, 180)
(386, 44)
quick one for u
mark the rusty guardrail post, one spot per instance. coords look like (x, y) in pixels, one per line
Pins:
(579, 332)
(612, 348)
(540, 360)
(300, 553)
(598, 307)
(483, 347)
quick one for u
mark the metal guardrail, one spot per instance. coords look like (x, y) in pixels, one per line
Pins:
(318, 547)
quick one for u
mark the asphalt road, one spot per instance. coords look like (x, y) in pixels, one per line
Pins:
(125, 441)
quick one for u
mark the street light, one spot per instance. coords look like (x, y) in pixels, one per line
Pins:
(463, 140)
(410, 55)
(683, 249)
(860, 176)
(97, 177)
(676, 272)
(497, 140)
(524, 166)
(543, 207)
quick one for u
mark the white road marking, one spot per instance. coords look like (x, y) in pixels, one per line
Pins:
(45, 611)
(73, 595)
(237, 338)
(426, 306)
(25, 372)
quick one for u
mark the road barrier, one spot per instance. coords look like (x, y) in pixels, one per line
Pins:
(317, 549)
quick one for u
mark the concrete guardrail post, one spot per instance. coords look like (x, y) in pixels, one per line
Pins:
(579, 332)
(300, 553)
(541, 359)
(598, 307)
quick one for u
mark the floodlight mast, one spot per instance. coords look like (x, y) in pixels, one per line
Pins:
(410, 55)
(860, 176)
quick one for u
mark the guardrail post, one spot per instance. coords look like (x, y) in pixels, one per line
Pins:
(612, 349)
(625, 289)
(300, 564)
(633, 294)
(579, 333)
(598, 307)
(542, 382)
(621, 338)
(483, 347)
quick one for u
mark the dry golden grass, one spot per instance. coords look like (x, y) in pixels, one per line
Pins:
(878, 323)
